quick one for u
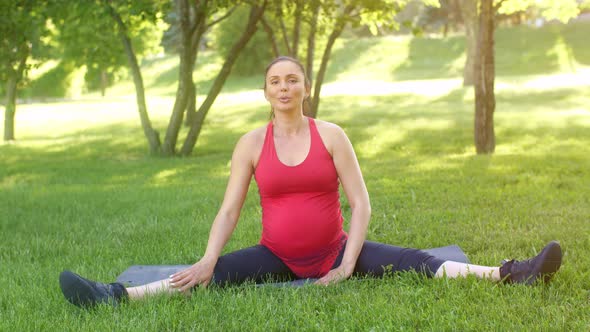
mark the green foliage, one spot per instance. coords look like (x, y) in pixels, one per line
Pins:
(171, 38)
(562, 10)
(375, 14)
(22, 31)
(89, 36)
(64, 80)
(255, 55)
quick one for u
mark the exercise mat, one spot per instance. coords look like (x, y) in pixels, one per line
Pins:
(137, 275)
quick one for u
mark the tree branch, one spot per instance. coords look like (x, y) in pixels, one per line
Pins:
(222, 17)
(498, 5)
(271, 36)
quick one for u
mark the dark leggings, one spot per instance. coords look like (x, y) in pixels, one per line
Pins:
(259, 264)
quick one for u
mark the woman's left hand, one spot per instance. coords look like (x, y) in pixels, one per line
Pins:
(335, 275)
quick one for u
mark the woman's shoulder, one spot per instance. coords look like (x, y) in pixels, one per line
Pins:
(255, 136)
(329, 129)
(331, 133)
(250, 144)
(326, 125)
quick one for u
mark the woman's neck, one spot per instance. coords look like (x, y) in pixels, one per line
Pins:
(288, 124)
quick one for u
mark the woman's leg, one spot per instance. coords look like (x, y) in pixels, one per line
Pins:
(376, 258)
(256, 263)
(153, 288)
(450, 269)
(542, 266)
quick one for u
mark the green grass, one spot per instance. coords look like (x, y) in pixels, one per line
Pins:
(78, 191)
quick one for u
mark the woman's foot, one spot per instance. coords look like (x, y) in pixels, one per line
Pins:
(542, 266)
(86, 293)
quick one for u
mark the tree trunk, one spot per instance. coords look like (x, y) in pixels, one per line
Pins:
(469, 13)
(485, 103)
(297, 28)
(271, 37)
(10, 109)
(14, 77)
(338, 28)
(151, 135)
(104, 81)
(184, 79)
(283, 28)
(193, 134)
(199, 28)
(313, 25)
(191, 108)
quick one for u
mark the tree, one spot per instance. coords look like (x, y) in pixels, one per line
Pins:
(344, 13)
(194, 20)
(313, 27)
(485, 104)
(21, 35)
(105, 34)
(256, 12)
(127, 17)
(138, 10)
(192, 27)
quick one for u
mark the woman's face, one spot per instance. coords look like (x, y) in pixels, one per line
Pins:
(285, 86)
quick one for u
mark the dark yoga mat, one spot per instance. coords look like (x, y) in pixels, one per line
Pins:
(137, 275)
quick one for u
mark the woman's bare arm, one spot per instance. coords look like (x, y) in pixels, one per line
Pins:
(355, 189)
(242, 168)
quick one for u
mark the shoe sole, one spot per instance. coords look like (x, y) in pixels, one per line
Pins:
(550, 262)
(76, 289)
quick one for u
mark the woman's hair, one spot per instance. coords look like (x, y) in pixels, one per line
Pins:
(306, 101)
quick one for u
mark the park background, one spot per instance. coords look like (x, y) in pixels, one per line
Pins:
(81, 188)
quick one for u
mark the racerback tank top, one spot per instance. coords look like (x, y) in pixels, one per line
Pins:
(301, 214)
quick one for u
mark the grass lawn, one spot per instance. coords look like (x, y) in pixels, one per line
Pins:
(78, 191)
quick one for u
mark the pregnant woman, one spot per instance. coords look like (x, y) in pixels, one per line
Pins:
(299, 164)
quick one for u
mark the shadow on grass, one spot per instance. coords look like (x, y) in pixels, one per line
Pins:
(520, 50)
(344, 58)
(576, 37)
(431, 58)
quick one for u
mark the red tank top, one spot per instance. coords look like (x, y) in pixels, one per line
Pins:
(301, 216)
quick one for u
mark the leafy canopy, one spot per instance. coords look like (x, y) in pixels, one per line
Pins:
(562, 10)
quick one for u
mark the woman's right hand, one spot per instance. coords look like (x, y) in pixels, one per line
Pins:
(199, 273)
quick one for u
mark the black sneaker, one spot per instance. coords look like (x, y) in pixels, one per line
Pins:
(86, 293)
(543, 266)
